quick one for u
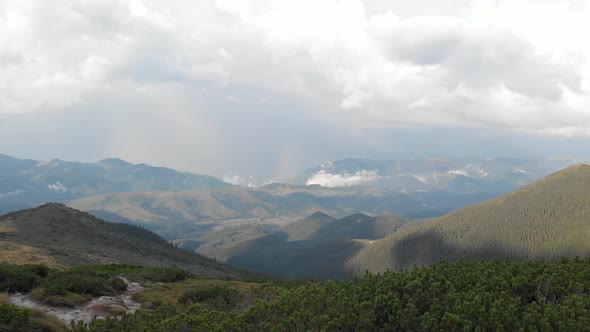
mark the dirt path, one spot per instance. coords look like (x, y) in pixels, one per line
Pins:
(100, 307)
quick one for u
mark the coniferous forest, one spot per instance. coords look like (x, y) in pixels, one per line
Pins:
(473, 296)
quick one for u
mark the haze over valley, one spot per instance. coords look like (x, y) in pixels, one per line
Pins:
(279, 165)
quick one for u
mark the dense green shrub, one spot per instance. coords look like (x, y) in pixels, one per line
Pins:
(485, 296)
(21, 278)
(83, 282)
(15, 319)
(214, 297)
(162, 274)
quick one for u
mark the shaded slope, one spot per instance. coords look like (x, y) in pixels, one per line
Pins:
(317, 246)
(61, 236)
(546, 220)
(305, 228)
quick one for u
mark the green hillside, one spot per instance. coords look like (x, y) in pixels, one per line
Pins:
(58, 236)
(546, 220)
(317, 246)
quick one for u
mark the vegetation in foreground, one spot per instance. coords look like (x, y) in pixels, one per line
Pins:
(483, 296)
(15, 319)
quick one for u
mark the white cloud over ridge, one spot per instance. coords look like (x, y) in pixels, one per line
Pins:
(517, 65)
(11, 193)
(237, 180)
(57, 187)
(327, 179)
(471, 170)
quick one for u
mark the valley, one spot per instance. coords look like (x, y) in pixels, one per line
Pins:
(297, 166)
(235, 251)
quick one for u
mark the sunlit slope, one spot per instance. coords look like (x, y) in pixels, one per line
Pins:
(158, 209)
(545, 220)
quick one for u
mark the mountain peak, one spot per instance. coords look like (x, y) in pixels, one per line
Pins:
(573, 170)
(115, 162)
(62, 236)
(319, 214)
(577, 167)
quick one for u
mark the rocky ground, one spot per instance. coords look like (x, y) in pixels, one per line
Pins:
(100, 307)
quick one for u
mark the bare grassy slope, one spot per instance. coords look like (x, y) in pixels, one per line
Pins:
(168, 208)
(545, 220)
(63, 236)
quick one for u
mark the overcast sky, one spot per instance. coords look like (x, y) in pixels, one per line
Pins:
(268, 88)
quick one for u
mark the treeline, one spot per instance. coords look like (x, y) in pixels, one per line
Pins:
(484, 296)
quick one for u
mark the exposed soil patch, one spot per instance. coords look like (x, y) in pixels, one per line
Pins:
(100, 307)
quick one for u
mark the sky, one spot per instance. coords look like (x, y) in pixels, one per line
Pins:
(268, 88)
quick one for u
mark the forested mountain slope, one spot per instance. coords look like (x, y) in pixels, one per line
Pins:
(317, 246)
(60, 236)
(545, 220)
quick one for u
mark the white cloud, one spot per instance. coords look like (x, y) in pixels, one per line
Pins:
(12, 193)
(249, 181)
(57, 187)
(421, 178)
(471, 170)
(521, 65)
(326, 179)
(239, 181)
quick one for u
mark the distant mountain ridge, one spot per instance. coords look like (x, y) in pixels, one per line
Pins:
(26, 183)
(545, 220)
(459, 176)
(60, 236)
(173, 208)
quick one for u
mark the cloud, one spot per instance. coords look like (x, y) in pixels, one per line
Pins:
(471, 170)
(326, 179)
(57, 187)
(463, 64)
(239, 181)
(245, 78)
(11, 193)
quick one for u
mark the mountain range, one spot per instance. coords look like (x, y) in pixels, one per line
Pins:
(120, 191)
(545, 220)
(26, 183)
(462, 175)
(165, 210)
